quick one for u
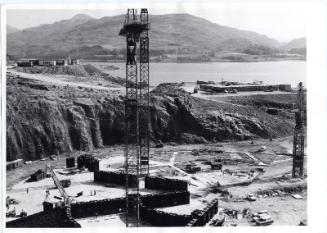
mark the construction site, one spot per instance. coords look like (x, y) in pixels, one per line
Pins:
(141, 183)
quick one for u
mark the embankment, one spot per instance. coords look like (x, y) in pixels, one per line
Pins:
(86, 71)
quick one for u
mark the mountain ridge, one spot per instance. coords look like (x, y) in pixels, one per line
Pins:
(177, 34)
(11, 29)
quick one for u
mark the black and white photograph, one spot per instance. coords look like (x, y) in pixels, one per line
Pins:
(156, 115)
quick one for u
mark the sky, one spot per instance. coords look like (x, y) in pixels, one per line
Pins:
(283, 21)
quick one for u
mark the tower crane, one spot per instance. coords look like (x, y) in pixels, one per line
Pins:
(299, 134)
(135, 29)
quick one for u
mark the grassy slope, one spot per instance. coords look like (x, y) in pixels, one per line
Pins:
(172, 31)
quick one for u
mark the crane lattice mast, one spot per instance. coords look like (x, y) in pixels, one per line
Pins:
(299, 135)
(61, 189)
(135, 30)
(144, 103)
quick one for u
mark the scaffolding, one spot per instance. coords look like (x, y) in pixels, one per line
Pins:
(135, 30)
(299, 135)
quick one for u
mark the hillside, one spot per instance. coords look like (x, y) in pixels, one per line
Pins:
(296, 44)
(11, 29)
(87, 37)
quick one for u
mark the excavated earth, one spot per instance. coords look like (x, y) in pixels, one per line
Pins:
(44, 118)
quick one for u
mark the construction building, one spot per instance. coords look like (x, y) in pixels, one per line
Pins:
(30, 62)
(14, 164)
(244, 87)
(38, 175)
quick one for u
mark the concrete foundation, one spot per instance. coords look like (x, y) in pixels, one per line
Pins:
(55, 218)
(98, 207)
(38, 175)
(160, 218)
(169, 193)
(70, 162)
(166, 199)
(161, 183)
(117, 178)
(196, 218)
(201, 218)
(88, 161)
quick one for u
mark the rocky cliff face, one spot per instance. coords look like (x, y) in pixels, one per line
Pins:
(44, 119)
(182, 118)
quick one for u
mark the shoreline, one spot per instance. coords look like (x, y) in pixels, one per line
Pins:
(201, 62)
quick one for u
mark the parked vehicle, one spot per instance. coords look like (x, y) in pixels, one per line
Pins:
(264, 220)
(251, 197)
(259, 214)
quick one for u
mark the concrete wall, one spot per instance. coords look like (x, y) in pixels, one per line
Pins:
(166, 199)
(55, 218)
(114, 178)
(156, 217)
(70, 162)
(38, 175)
(98, 207)
(202, 217)
(159, 218)
(117, 205)
(196, 218)
(165, 183)
(14, 164)
(88, 161)
(71, 220)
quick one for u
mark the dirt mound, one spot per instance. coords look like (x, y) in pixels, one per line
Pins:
(170, 89)
(87, 71)
(92, 70)
(76, 70)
